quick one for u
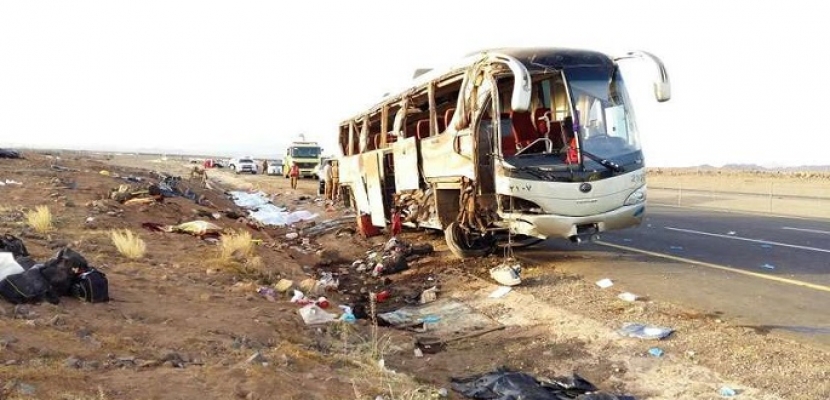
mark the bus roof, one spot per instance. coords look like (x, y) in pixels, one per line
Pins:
(533, 58)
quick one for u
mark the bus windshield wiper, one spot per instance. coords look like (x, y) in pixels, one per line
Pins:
(604, 162)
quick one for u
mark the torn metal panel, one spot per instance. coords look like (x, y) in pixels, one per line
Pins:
(349, 169)
(447, 155)
(374, 187)
(407, 173)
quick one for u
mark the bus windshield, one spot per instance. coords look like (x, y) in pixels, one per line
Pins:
(305, 152)
(604, 118)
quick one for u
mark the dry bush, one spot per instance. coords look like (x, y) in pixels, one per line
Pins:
(40, 219)
(369, 375)
(128, 244)
(236, 246)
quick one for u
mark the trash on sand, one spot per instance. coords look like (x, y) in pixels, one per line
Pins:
(504, 384)
(507, 274)
(292, 235)
(283, 285)
(448, 318)
(766, 246)
(418, 353)
(731, 233)
(313, 315)
(197, 228)
(268, 293)
(605, 283)
(260, 209)
(768, 266)
(627, 296)
(299, 298)
(500, 292)
(645, 331)
(655, 351)
(429, 295)
(727, 391)
(327, 282)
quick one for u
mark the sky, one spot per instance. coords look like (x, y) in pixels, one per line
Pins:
(246, 77)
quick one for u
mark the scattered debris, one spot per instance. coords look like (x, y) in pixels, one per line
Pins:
(500, 292)
(504, 384)
(605, 283)
(261, 209)
(727, 391)
(507, 274)
(655, 351)
(645, 331)
(768, 266)
(445, 320)
(628, 296)
(313, 315)
(429, 295)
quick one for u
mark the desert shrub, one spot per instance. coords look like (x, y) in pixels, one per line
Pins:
(40, 219)
(236, 246)
(128, 244)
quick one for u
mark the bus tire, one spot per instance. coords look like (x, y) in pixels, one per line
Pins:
(462, 247)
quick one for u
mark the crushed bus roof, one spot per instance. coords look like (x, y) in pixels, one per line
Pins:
(533, 58)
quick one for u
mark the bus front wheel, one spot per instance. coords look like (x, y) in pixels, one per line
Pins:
(467, 244)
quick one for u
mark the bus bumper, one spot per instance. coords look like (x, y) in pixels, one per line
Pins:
(544, 226)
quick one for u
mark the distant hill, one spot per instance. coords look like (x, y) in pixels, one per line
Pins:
(755, 167)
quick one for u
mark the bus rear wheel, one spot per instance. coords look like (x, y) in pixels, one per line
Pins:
(467, 244)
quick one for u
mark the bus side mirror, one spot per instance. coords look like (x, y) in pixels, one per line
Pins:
(662, 86)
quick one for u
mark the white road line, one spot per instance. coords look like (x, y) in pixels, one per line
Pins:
(749, 240)
(720, 267)
(807, 230)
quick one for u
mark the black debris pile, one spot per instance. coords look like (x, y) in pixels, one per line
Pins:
(504, 384)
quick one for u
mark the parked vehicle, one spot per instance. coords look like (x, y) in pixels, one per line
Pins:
(274, 167)
(245, 164)
(518, 144)
(305, 154)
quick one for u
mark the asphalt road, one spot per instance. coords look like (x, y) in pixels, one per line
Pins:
(769, 273)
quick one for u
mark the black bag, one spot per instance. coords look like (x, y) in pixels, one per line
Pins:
(91, 286)
(27, 287)
(11, 244)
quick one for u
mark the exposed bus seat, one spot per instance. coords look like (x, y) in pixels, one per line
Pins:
(508, 141)
(410, 130)
(524, 130)
(442, 125)
(422, 129)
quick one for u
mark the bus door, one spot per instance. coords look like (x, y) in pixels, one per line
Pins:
(485, 149)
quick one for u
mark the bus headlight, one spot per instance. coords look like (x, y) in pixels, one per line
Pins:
(637, 197)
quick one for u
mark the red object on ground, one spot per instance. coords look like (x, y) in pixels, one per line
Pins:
(322, 302)
(382, 296)
(364, 225)
(397, 225)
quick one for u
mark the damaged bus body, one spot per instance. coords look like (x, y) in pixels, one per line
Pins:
(524, 144)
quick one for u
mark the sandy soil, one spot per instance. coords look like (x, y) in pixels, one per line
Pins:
(183, 324)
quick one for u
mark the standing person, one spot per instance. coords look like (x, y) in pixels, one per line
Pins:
(327, 175)
(265, 167)
(335, 180)
(294, 173)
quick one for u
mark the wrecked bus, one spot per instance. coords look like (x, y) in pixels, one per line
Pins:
(519, 144)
